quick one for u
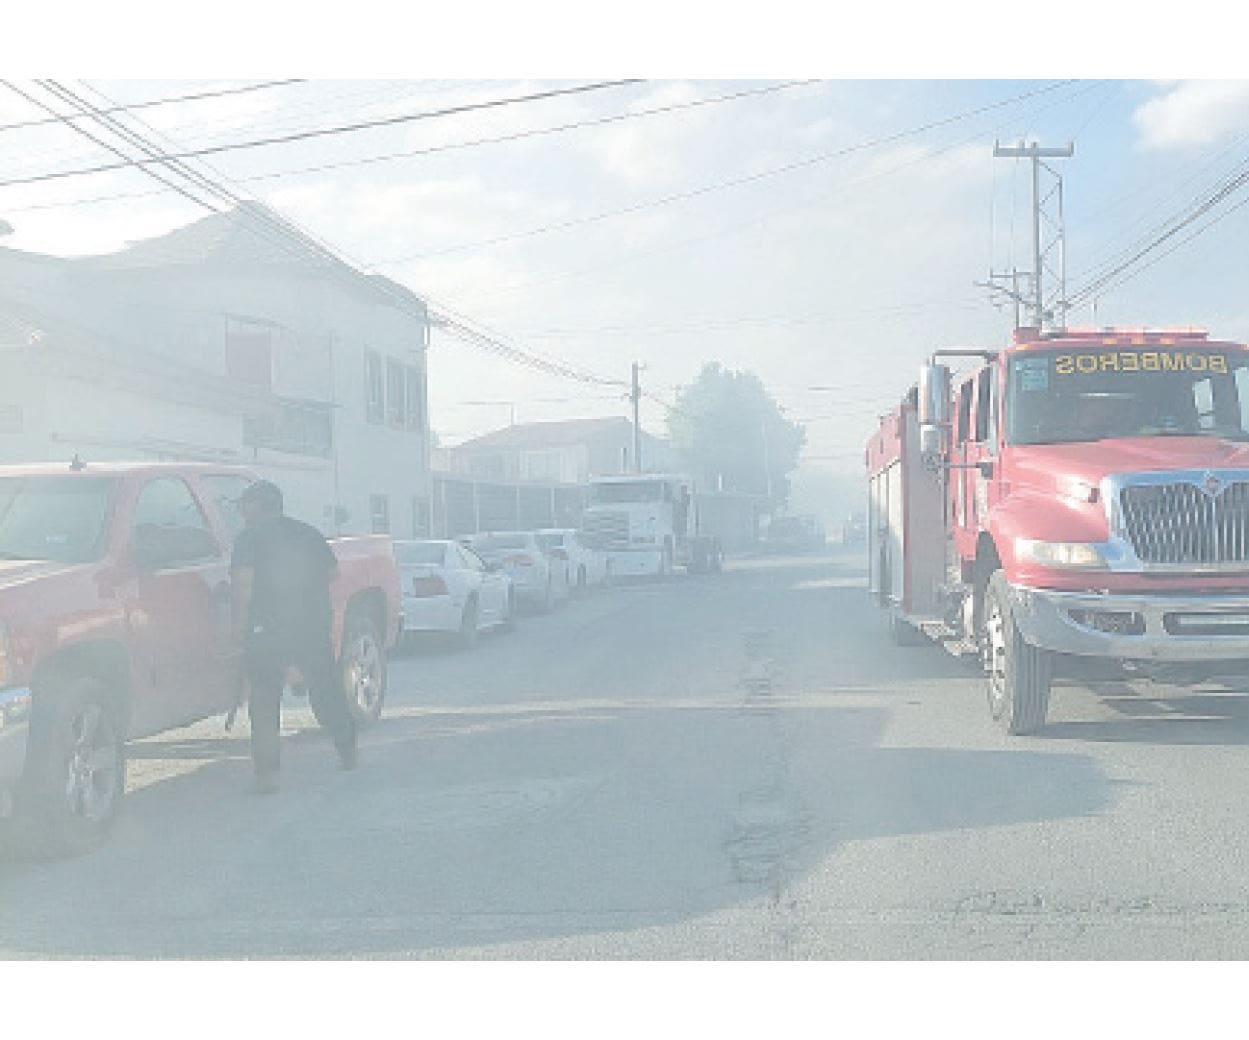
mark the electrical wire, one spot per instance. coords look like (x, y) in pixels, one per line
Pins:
(735, 182)
(178, 99)
(305, 135)
(453, 146)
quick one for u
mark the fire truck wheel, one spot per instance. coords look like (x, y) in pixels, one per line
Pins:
(1019, 674)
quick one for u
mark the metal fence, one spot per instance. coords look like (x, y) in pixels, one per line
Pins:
(465, 506)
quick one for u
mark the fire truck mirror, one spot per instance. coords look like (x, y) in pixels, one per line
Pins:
(934, 395)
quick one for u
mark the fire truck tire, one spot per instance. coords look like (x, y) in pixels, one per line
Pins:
(1019, 675)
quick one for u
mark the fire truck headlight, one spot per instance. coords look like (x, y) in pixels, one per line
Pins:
(1076, 555)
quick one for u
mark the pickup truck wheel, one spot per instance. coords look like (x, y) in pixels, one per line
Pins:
(1019, 674)
(76, 773)
(363, 668)
(467, 634)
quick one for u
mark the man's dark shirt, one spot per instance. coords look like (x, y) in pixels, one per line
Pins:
(293, 566)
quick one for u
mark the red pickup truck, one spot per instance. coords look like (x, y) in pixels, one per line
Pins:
(115, 623)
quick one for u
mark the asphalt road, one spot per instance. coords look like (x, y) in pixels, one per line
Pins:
(731, 766)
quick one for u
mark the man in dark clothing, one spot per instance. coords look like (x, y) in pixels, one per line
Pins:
(281, 571)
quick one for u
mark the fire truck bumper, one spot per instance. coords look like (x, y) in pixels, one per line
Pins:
(1151, 627)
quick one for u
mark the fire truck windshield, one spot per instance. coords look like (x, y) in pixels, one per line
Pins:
(1089, 395)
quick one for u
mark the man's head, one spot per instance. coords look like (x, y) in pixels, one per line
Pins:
(261, 501)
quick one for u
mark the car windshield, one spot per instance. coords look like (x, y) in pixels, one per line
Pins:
(627, 491)
(61, 518)
(551, 539)
(496, 542)
(1088, 395)
(420, 553)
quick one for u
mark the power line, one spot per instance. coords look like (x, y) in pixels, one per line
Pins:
(68, 121)
(175, 100)
(297, 242)
(1168, 230)
(304, 135)
(738, 226)
(455, 145)
(723, 185)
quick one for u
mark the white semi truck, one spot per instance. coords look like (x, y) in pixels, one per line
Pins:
(650, 523)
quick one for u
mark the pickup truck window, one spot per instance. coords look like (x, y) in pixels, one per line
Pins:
(54, 518)
(168, 527)
(224, 490)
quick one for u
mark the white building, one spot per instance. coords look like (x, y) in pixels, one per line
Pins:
(224, 341)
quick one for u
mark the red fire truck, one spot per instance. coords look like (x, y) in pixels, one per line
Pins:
(1075, 503)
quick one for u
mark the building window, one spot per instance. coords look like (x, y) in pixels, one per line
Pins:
(396, 386)
(379, 513)
(249, 351)
(416, 398)
(294, 427)
(420, 517)
(374, 388)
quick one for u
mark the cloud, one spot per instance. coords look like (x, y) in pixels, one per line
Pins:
(1193, 113)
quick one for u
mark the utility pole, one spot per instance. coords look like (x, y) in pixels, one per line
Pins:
(635, 395)
(1047, 216)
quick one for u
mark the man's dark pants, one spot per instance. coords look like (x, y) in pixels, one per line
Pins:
(266, 662)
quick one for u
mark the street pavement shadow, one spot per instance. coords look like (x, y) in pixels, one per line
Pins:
(502, 824)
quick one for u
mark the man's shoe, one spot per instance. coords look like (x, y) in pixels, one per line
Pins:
(266, 783)
(349, 756)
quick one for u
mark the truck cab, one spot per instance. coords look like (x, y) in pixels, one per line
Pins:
(648, 524)
(1081, 495)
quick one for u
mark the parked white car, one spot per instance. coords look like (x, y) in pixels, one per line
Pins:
(448, 588)
(539, 580)
(587, 566)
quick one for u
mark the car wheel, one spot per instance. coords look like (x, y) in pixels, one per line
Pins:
(363, 668)
(509, 618)
(467, 634)
(75, 774)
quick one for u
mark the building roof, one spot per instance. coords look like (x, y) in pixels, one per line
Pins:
(246, 236)
(540, 435)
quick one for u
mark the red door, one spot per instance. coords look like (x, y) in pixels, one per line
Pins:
(179, 614)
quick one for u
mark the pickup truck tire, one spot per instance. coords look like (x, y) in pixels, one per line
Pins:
(1019, 675)
(362, 667)
(75, 773)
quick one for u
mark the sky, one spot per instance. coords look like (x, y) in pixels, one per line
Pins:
(825, 234)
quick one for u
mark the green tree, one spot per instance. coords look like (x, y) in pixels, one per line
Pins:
(730, 433)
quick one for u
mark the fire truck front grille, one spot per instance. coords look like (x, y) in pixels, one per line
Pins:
(1182, 523)
(608, 529)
